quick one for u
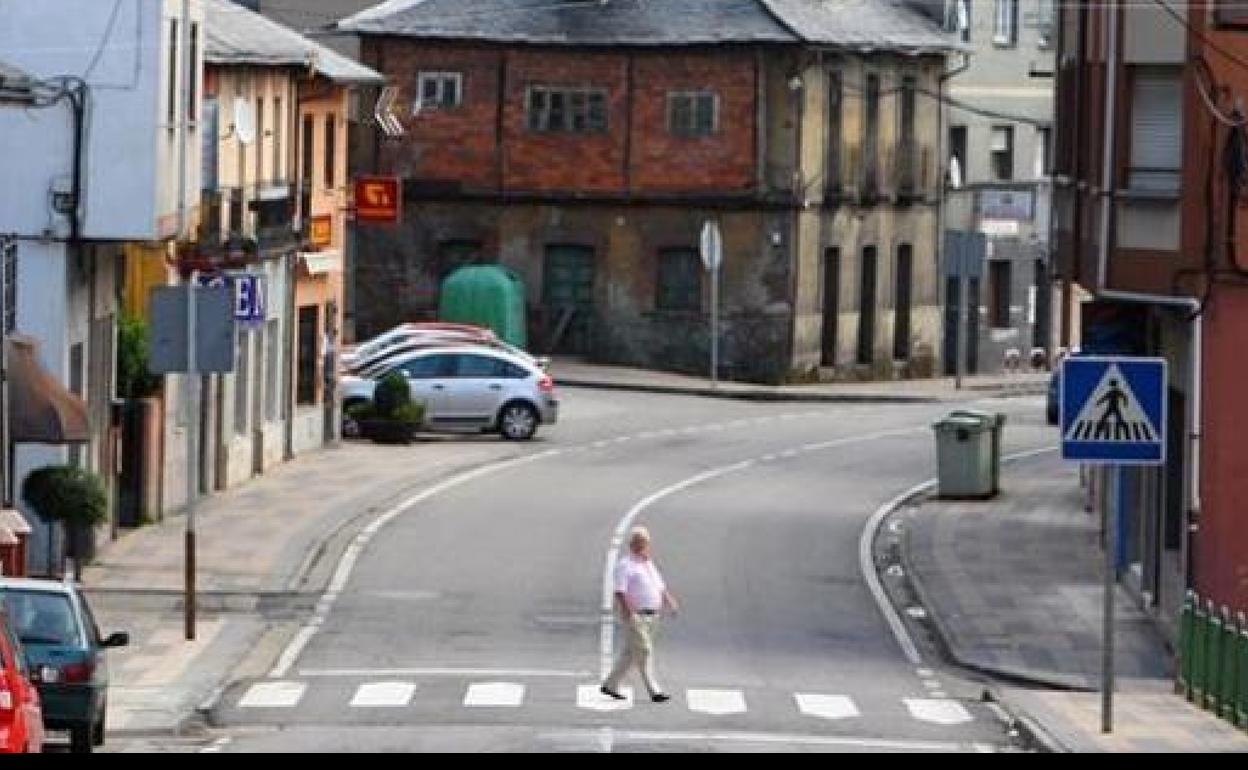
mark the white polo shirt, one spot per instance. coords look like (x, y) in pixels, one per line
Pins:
(640, 582)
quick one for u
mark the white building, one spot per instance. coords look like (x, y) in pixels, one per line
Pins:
(99, 149)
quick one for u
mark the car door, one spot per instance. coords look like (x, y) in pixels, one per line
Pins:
(26, 697)
(429, 378)
(480, 388)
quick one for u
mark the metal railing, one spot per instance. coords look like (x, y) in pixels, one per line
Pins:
(1213, 659)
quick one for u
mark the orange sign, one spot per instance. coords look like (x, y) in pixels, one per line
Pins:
(321, 230)
(377, 199)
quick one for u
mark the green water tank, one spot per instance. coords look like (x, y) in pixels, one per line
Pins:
(486, 295)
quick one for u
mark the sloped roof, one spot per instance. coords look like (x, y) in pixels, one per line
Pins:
(863, 24)
(235, 35)
(575, 22)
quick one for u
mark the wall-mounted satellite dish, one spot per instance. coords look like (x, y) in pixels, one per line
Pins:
(244, 122)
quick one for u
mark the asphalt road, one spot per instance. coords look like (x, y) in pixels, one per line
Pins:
(472, 620)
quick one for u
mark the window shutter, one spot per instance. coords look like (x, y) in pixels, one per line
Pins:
(1156, 130)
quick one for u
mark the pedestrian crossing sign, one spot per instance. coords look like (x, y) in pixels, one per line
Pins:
(1114, 410)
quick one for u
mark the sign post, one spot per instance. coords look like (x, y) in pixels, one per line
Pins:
(712, 256)
(1113, 414)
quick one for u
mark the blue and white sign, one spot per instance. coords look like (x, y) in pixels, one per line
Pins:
(249, 296)
(1114, 410)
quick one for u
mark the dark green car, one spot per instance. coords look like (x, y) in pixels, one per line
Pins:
(65, 654)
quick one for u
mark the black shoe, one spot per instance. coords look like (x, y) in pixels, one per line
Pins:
(607, 691)
(660, 697)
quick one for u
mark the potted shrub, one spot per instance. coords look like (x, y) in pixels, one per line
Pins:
(71, 496)
(391, 417)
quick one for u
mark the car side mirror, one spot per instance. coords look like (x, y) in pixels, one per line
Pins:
(119, 639)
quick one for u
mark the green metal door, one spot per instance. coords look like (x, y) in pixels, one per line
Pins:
(568, 297)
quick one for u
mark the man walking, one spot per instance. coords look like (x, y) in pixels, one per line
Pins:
(641, 596)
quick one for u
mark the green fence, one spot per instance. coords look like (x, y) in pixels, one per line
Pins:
(1213, 659)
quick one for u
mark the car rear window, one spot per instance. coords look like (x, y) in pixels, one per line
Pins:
(42, 617)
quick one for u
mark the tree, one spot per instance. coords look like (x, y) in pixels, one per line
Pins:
(71, 496)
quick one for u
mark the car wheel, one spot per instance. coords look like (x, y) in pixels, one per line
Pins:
(80, 740)
(518, 422)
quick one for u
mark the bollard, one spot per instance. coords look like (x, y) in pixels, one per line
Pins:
(1200, 629)
(1213, 656)
(1187, 622)
(1241, 711)
(1228, 697)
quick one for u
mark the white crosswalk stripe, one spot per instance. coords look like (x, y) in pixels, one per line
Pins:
(588, 697)
(716, 702)
(383, 695)
(273, 695)
(494, 695)
(938, 711)
(826, 706)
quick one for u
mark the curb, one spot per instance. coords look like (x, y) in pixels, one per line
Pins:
(779, 396)
(1032, 730)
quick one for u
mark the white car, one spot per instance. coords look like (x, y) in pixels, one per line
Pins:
(403, 332)
(467, 388)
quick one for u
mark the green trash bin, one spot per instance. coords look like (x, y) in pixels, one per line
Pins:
(964, 455)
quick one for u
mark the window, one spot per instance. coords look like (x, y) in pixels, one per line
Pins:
(277, 138)
(866, 307)
(306, 150)
(1005, 22)
(171, 113)
(439, 91)
(957, 157)
(259, 140)
(871, 139)
(272, 368)
(999, 311)
(480, 367)
(835, 116)
(331, 147)
(429, 367)
(242, 372)
(8, 251)
(1230, 13)
(1042, 153)
(692, 113)
(569, 110)
(305, 385)
(1156, 130)
(1002, 149)
(907, 172)
(905, 294)
(963, 19)
(193, 74)
(43, 617)
(679, 281)
(831, 303)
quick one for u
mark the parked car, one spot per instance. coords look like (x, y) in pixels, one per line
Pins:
(399, 334)
(383, 361)
(468, 388)
(21, 715)
(65, 653)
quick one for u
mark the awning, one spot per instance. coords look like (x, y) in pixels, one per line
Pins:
(15, 521)
(41, 409)
(320, 262)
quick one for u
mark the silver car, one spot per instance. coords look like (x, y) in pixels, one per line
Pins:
(464, 388)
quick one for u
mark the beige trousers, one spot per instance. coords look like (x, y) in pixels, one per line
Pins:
(638, 651)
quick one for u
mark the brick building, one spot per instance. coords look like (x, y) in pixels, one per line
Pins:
(584, 146)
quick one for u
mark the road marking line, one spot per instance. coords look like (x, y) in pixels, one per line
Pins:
(938, 711)
(217, 746)
(494, 695)
(501, 673)
(588, 697)
(826, 706)
(774, 739)
(346, 564)
(716, 702)
(273, 695)
(383, 695)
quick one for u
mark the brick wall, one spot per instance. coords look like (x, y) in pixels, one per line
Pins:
(636, 153)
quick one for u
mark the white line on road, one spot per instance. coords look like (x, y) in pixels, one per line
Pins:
(273, 695)
(588, 697)
(494, 695)
(716, 702)
(383, 695)
(780, 739)
(938, 711)
(831, 707)
(342, 574)
(501, 673)
(217, 746)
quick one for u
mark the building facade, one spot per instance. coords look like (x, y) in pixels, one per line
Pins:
(1147, 217)
(585, 147)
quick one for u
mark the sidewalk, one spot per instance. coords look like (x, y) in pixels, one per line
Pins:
(1014, 590)
(265, 550)
(579, 373)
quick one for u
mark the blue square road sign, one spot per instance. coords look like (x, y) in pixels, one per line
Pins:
(1114, 410)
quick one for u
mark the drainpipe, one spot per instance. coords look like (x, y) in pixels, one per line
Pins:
(963, 288)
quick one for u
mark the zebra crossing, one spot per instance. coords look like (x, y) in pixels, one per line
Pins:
(277, 696)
